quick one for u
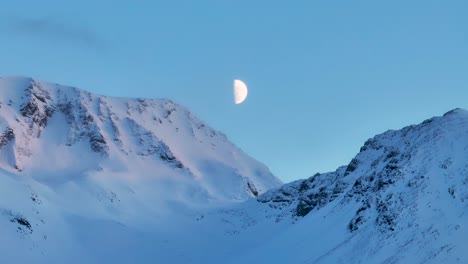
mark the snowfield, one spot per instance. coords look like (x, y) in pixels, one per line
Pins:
(95, 179)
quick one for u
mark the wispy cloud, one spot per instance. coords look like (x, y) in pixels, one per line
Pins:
(57, 30)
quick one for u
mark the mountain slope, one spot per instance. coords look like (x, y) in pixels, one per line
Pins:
(402, 199)
(47, 130)
(88, 178)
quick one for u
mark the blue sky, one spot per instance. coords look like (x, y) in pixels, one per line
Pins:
(323, 76)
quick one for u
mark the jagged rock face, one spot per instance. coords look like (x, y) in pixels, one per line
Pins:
(303, 196)
(39, 119)
(399, 183)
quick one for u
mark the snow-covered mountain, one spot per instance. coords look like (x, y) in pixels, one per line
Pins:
(94, 179)
(69, 157)
(58, 134)
(402, 199)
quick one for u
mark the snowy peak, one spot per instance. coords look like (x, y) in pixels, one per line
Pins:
(405, 194)
(457, 111)
(49, 125)
(396, 156)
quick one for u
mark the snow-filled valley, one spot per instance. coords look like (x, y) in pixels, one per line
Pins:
(95, 179)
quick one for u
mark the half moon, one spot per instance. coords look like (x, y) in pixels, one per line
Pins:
(240, 91)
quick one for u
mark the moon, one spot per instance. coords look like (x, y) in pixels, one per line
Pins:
(240, 91)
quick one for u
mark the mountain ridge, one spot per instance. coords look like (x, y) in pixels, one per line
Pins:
(401, 199)
(114, 128)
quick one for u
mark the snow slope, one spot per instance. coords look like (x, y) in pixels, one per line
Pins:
(94, 179)
(51, 133)
(78, 170)
(402, 199)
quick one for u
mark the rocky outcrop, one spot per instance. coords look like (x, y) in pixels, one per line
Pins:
(7, 136)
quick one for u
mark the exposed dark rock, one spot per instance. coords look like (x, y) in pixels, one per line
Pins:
(352, 166)
(23, 222)
(304, 207)
(6, 137)
(98, 143)
(359, 218)
(386, 218)
(252, 188)
(305, 196)
(371, 144)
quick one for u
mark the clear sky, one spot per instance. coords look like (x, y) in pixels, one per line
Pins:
(323, 76)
